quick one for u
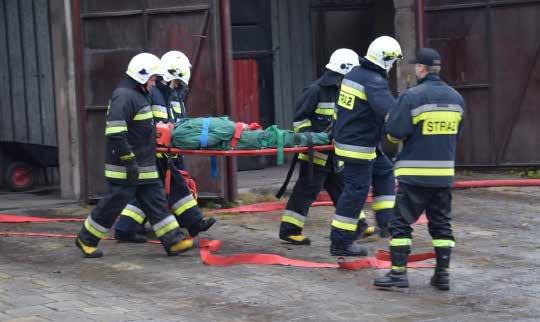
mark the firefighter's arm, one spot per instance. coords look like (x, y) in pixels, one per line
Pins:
(305, 106)
(118, 116)
(462, 122)
(399, 121)
(379, 97)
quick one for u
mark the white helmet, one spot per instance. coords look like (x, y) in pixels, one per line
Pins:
(142, 66)
(384, 51)
(343, 60)
(176, 65)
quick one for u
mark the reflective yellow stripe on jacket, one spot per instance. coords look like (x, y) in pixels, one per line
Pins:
(354, 151)
(159, 111)
(318, 158)
(144, 113)
(326, 109)
(301, 124)
(120, 172)
(424, 168)
(113, 127)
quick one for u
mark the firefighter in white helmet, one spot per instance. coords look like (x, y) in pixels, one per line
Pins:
(315, 112)
(130, 166)
(167, 106)
(363, 101)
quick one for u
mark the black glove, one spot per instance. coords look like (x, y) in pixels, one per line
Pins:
(132, 170)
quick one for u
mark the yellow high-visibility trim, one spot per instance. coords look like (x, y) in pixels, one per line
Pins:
(301, 124)
(127, 156)
(444, 243)
(115, 129)
(159, 114)
(133, 215)
(123, 175)
(393, 139)
(441, 172)
(399, 268)
(325, 111)
(362, 215)
(182, 245)
(292, 220)
(381, 205)
(297, 238)
(176, 109)
(87, 250)
(355, 154)
(180, 210)
(400, 242)
(344, 226)
(356, 92)
(167, 228)
(93, 230)
(316, 160)
(143, 116)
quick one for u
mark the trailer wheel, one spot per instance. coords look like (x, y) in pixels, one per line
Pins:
(19, 176)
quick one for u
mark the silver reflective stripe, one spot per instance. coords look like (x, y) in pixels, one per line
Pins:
(136, 210)
(355, 148)
(346, 220)
(96, 225)
(116, 168)
(116, 123)
(424, 164)
(145, 109)
(182, 201)
(159, 108)
(436, 107)
(330, 105)
(295, 215)
(350, 83)
(384, 198)
(151, 168)
(163, 223)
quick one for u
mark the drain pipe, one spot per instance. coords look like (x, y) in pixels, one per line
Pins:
(420, 25)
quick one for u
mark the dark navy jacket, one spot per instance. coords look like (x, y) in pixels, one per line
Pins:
(428, 119)
(363, 102)
(315, 111)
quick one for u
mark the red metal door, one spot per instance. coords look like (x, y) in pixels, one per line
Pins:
(246, 85)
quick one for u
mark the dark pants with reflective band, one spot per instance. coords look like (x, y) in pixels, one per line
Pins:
(305, 191)
(153, 203)
(411, 201)
(384, 195)
(357, 180)
(180, 200)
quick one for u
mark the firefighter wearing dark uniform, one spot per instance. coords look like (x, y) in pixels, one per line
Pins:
(363, 101)
(428, 119)
(167, 106)
(315, 112)
(130, 166)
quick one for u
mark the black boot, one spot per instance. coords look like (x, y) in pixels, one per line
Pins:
(398, 275)
(441, 278)
(129, 237)
(292, 234)
(350, 250)
(201, 225)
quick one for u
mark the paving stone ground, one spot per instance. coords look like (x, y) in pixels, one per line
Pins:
(494, 273)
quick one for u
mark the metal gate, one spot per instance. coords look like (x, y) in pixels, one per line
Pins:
(491, 53)
(114, 31)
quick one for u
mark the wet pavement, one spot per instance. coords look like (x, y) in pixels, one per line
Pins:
(494, 273)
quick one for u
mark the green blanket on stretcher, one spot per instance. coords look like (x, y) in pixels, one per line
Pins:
(216, 133)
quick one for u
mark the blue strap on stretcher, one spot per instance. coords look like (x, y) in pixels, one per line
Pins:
(204, 144)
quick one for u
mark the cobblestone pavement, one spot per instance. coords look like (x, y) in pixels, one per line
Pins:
(494, 274)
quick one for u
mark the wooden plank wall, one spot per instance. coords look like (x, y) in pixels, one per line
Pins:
(27, 102)
(293, 55)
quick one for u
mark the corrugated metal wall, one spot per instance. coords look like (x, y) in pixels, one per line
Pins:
(27, 106)
(294, 65)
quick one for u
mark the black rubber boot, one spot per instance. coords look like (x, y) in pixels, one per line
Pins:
(397, 277)
(88, 251)
(441, 278)
(201, 225)
(350, 250)
(292, 234)
(129, 237)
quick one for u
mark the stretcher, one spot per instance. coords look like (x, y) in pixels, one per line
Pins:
(242, 153)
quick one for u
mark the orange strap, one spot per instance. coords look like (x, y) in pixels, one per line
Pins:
(238, 129)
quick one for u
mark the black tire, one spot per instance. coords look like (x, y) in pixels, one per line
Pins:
(19, 176)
